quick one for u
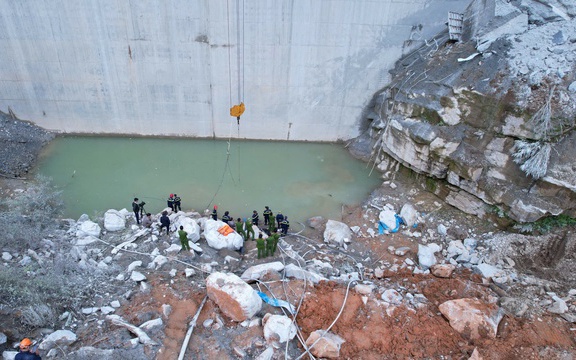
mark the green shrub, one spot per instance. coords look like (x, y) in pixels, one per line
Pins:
(552, 222)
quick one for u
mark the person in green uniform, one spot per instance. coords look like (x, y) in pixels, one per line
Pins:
(269, 246)
(240, 228)
(249, 229)
(261, 246)
(275, 237)
(272, 224)
(183, 238)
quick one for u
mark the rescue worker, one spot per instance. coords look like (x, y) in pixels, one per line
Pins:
(285, 224)
(183, 238)
(261, 246)
(170, 202)
(26, 353)
(177, 203)
(272, 224)
(269, 246)
(147, 220)
(249, 229)
(215, 213)
(142, 211)
(275, 237)
(227, 218)
(279, 218)
(255, 217)
(240, 228)
(165, 221)
(136, 209)
(266, 214)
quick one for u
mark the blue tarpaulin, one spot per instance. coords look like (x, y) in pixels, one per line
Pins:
(382, 227)
(277, 302)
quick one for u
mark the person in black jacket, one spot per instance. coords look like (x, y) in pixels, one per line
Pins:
(165, 222)
(136, 209)
(255, 217)
(26, 353)
(177, 202)
(279, 219)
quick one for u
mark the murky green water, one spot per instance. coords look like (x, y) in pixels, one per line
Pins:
(299, 179)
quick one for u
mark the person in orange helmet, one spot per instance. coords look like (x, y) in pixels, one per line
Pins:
(26, 351)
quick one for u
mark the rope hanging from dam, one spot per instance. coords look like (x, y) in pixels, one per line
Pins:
(235, 110)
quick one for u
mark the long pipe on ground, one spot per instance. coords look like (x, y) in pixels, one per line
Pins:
(190, 329)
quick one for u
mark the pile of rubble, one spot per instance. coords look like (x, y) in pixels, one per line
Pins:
(336, 289)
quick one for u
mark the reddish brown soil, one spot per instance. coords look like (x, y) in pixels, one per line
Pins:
(407, 334)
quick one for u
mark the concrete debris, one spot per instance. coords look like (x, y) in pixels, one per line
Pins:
(114, 220)
(234, 297)
(337, 233)
(295, 271)
(472, 317)
(426, 255)
(142, 336)
(58, 337)
(255, 272)
(328, 345)
(137, 276)
(278, 328)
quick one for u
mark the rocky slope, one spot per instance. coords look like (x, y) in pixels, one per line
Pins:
(489, 119)
(21, 143)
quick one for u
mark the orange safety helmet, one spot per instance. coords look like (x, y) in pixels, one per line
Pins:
(25, 343)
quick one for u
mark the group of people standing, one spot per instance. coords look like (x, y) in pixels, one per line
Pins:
(272, 222)
(276, 225)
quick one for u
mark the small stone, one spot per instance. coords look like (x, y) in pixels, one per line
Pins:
(166, 310)
(107, 310)
(401, 251)
(442, 270)
(115, 304)
(189, 272)
(173, 272)
(134, 265)
(364, 289)
(392, 296)
(137, 276)
(207, 323)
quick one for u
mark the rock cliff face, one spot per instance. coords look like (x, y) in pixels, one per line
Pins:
(490, 118)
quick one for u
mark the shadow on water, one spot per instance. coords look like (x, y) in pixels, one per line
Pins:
(299, 179)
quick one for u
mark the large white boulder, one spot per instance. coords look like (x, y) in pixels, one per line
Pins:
(278, 328)
(426, 255)
(255, 272)
(190, 226)
(337, 232)
(114, 220)
(88, 228)
(472, 317)
(215, 240)
(234, 297)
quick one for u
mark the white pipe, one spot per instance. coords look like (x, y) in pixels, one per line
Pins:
(190, 329)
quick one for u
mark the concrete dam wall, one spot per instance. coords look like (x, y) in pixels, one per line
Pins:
(306, 69)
